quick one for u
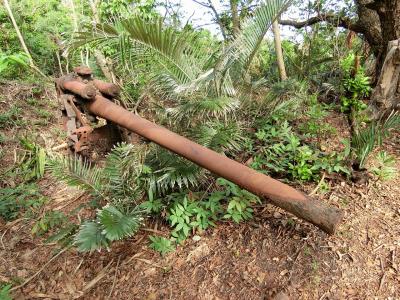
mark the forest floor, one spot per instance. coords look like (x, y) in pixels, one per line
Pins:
(271, 254)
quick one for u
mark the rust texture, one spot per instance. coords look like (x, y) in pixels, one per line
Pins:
(316, 212)
(86, 91)
(108, 89)
(83, 71)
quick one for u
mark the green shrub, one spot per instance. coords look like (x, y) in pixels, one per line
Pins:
(161, 244)
(187, 215)
(11, 118)
(48, 221)
(13, 64)
(32, 164)
(116, 185)
(282, 153)
(239, 201)
(5, 292)
(24, 197)
(385, 169)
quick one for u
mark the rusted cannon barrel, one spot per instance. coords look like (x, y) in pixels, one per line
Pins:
(109, 89)
(318, 213)
(86, 91)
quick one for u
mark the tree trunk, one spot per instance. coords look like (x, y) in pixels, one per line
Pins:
(100, 58)
(235, 17)
(379, 22)
(278, 50)
(21, 39)
(386, 95)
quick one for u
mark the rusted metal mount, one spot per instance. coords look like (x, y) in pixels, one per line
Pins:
(83, 87)
(316, 212)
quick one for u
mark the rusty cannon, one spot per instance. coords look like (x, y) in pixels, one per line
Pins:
(79, 88)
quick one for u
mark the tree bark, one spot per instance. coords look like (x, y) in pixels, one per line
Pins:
(100, 58)
(386, 95)
(278, 50)
(235, 17)
(378, 21)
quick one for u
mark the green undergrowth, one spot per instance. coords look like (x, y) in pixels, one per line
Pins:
(280, 151)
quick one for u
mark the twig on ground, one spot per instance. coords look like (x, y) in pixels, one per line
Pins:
(383, 275)
(60, 147)
(149, 262)
(318, 185)
(382, 281)
(99, 276)
(41, 295)
(133, 257)
(71, 201)
(1, 239)
(79, 265)
(115, 278)
(323, 296)
(40, 270)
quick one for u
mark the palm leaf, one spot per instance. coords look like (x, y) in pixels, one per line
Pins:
(143, 39)
(90, 237)
(123, 166)
(240, 53)
(171, 172)
(219, 136)
(365, 140)
(117, 225)
(204, 108)
(78, 172)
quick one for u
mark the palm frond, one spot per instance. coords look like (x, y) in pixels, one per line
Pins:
(219, 136)
(90, 237)
(78, 172)
(365, 140)
(385, 167)
(204, 108)
(138, 38)
(171, 171)
(240, 53)
(118, 225)
(123, 166)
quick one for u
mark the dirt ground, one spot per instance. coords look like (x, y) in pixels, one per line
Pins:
(274, 256)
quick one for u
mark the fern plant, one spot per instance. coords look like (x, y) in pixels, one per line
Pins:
(115, 185)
